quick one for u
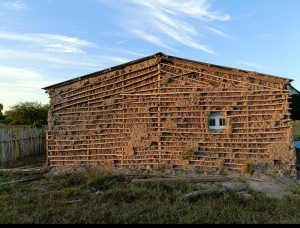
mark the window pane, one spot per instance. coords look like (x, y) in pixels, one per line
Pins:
(212, 122)
(222, 122)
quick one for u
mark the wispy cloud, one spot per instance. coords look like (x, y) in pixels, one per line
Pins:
(150, 38)
(170, 22)
(20, 85)
(218, 32)
(50, 42)
(255, 65)
(267, 35)
(13, 5)
(22, 78)
(85, 61)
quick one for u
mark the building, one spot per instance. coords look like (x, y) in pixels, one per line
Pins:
(293, 90)
(168, 111)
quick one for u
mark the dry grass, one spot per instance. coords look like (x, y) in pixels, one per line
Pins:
(97, 197)
(94, 196)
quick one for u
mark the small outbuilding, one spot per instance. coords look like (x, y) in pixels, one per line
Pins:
(167, 111)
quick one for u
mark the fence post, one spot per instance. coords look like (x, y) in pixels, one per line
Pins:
(22, 144)
(27, 135)
(46, 148)
(4, 147)
(1, 148)
(12, 145)
(32, 141)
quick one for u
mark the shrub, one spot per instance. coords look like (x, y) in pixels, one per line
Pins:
(248, 168)
(189, 151)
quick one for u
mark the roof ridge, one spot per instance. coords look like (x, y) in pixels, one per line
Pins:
(162, 55)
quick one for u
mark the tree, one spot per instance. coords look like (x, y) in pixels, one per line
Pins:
(28, 113)
(2, 117)
(1, 109)
(295, 106)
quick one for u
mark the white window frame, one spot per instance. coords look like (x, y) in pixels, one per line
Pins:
(217, 118)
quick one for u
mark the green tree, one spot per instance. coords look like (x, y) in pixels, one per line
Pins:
(28, 113)
(1, 114)
(1, 109)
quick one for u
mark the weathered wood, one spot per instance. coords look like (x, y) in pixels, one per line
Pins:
(23, 170)
(187, 179)
(197, 194)
(18, 181)
(16, 145)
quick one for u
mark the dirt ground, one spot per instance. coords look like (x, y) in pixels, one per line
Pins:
(269, 185)
(273, 186)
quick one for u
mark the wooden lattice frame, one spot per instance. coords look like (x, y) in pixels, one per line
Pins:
(154, 111)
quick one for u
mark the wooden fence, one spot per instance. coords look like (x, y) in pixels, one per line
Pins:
(22, 143)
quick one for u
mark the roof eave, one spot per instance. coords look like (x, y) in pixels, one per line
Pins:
(160, 54)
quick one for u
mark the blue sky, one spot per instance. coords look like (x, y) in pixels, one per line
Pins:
(43, 42)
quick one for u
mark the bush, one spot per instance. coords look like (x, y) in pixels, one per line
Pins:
(249, 168)
(28, 113)
(189, 151)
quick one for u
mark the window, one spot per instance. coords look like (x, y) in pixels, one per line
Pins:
(217, 121)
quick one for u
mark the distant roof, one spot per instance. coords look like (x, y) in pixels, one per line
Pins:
(160, 54)
(293, 90)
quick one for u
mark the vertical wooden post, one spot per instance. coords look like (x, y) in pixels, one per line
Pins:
(22, 144)
(159, 113)
(2, 153)
(88, 137)
(248, 113)
(47, 155)
(33, 141)
(12, 145)
(123, 121)
(1, 148)
(28, 140)
(4, 147)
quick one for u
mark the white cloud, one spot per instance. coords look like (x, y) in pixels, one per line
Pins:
(255, 65)
(63, 48)
(150, 38)
(50, 42)
(21, 78)
(14, 5)
(169, 22)
(84, 61)
(218, 32)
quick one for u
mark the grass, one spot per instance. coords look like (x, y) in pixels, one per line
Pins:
(97, 197)
(29, 162)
